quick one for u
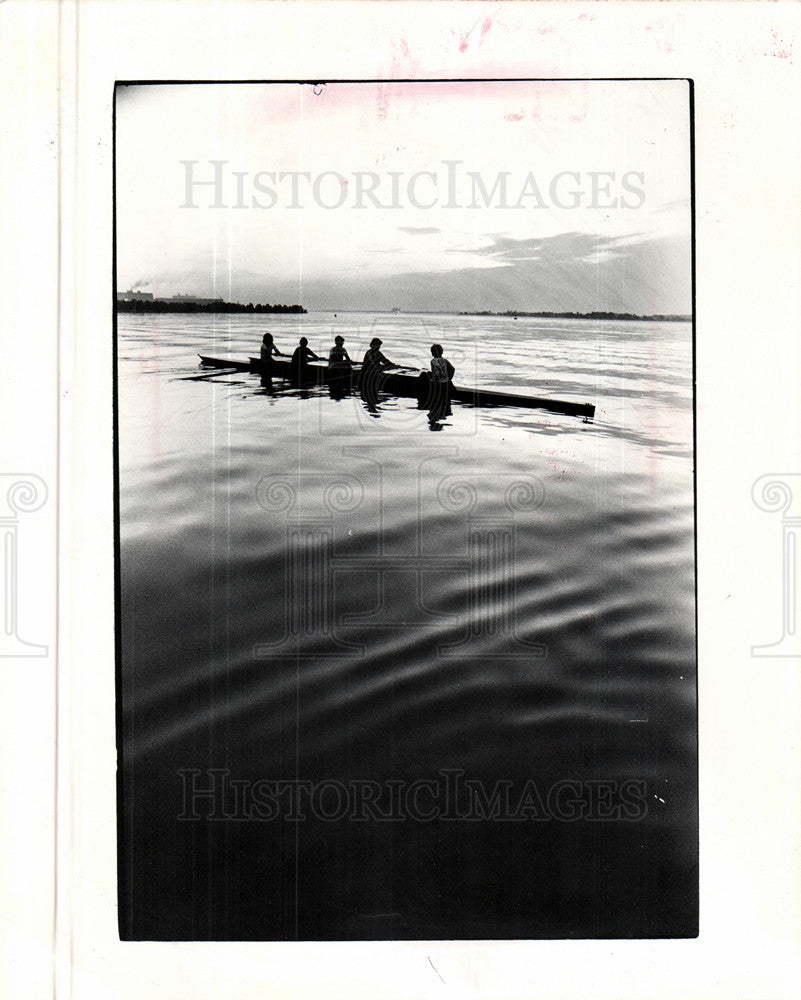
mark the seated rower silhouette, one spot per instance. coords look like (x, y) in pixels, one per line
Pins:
(338, 355)
(374, 359)
(300, 371)
(268, 348)
(339, 369)
(373, 365)
(267, 353)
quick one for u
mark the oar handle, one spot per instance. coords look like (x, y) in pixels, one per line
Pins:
(403, 368)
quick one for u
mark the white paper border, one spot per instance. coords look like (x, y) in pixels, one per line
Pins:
(744, 59)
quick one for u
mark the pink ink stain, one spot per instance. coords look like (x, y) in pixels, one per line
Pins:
(401, 58)
(778, 53)
(382, 104)
(510, 117)
(464, 41)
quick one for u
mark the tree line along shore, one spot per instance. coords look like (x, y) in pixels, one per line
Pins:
(216, 306)
(514, 313)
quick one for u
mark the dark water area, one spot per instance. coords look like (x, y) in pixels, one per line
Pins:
(379, 682)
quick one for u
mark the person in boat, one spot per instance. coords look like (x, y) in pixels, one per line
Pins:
(339, 369)
(373, 364)
(301, 357)
(442, 371)
(269, 350)
(267, 353)
(338, 356)
(439, 384)
(374, 361)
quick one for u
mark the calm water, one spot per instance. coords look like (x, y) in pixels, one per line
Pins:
(313, 592)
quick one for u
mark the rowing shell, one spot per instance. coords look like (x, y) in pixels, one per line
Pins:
(401, 384)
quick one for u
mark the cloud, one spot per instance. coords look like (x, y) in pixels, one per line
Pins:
(418, 230)
(571, 272)
(565, 247)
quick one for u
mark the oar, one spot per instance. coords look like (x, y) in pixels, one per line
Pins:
(405, 368)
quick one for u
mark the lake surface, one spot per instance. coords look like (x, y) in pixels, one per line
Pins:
(383, 678)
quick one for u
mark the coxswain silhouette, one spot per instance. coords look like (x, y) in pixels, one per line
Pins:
(436, 385)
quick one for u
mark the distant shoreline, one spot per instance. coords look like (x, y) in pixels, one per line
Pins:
(203, 306)
(512, 313)
(187, 304)
(657, 317)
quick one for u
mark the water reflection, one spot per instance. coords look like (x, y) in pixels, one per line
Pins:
(369, 386)
(339, 381)
(600, 573)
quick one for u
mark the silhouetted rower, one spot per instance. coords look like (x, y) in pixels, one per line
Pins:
(373, 365)
(267, 353)
(269, 350)
(338, 356)
(374, 360)
(303, 354)
(339, 369)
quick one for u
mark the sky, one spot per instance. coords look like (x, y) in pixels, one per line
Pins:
(443, 196)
